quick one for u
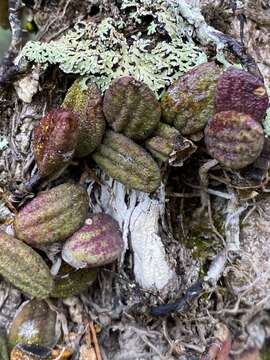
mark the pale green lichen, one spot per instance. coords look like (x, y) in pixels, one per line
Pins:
(102, 52)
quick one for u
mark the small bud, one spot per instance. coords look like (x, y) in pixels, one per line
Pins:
(168, 145)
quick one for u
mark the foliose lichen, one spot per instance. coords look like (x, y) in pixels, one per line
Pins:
(104, 51)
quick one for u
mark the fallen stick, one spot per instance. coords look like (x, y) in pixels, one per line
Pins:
(94, 339)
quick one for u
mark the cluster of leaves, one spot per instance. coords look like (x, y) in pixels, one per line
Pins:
(107, 50)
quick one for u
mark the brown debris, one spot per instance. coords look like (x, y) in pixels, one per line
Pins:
(221, 347)
(62, 354)
(91, 351)
(7, 202)
(249, 354)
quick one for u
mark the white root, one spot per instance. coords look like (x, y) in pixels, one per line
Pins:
(232, 224)
(216, 269)
(150, 266)
(232, 238)
(138, 215)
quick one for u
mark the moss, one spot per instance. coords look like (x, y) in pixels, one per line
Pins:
(200, 242)
(105, 51)
(70, 282)
(200, 237)
(3, 347)
(265, 352)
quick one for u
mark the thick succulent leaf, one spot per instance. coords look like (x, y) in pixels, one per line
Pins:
(87, 104)
(33, 324)
(241, 91)
(131, 108)
(24, 268)
(98, 242)
(234, 139)
(52, 215)
(188, 104)
(127, 162)
(55, 139)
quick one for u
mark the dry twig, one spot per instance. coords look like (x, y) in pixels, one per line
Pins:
(91, 337)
